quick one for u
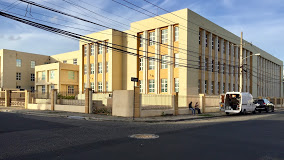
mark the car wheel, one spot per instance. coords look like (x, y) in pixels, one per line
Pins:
(244, 112)
(272, 109)
(254, 112)
(267, 109)
(227, 113)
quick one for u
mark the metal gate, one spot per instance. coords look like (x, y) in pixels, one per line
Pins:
(18, 98)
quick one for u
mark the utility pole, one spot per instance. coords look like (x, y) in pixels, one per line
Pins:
(241, 63)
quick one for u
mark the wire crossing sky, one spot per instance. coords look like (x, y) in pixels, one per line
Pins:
(261, 21)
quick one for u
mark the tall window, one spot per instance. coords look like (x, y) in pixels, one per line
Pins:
(92, 69)
(164, 61)
(92, 86)
(218, 67)
(85, 69)
(223, 88)
(218, 45)
(199, 37)
(206, 64)
(151, 64)
(212, 67)
(70, 90)
(19, 63)
(85, 50)
(141, 86)
(212, 87)
(218, 88)
(32, 77)
(100, 67)
(164, 36)
(100, 86)
(42, 75)
(176, 33)
(212, 42)
(107, 48)
(92, 49)
(205, 86)
(107, 86)
(71, 75)
(141, 40)
(206, 40)
(106, 67)
(75, 61)
(32, 88)
(176, 85)
(164, 87)
(100, 49)
(141, 64)
(52, 74)
(18, 76)
(176, 60)
(151, 38)
(32, 64)
(43, 89)
(223, 68)
(151, 86)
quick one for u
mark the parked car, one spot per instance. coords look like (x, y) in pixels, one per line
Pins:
(263, 105)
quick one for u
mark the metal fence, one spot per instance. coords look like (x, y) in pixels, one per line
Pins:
(40, 95)
(148, 101)
(2, 98)
(18, 98)
(69, 98)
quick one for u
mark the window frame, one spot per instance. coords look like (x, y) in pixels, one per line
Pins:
(18, 62)
(151, 63)
(151, 38)
(18, 76)
(164, 36)
(33, 64)
(176, 33)
(151, 86)
(176, 85)
(164, 85)
(32, 77)
(100, 86)
(100, 67)
(164, 59)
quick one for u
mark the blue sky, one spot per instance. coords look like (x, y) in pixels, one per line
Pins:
(262, 21)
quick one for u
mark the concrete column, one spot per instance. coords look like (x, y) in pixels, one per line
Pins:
(176, 104)
(27, 98)
(237, 68)
(137, 109)
(244, 72)
(227, 68)
(145, 62)
(232, 68)
(88, 66)
(221, 65)
(96, 67)
(203, 45)
(202, 102)
(7, 98)
(248, 71)
(216, 40)
(104, 67)
(170, 59)
(157, 63)
(209, 83)
(53, 99)
(88, 100)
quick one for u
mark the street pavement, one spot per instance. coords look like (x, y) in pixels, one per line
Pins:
(259, 137)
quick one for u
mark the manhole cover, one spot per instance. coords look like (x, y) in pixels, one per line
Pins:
(144, 136)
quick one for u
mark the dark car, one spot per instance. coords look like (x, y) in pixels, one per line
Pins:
(263, 105)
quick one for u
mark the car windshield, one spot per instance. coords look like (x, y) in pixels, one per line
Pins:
(260, 101)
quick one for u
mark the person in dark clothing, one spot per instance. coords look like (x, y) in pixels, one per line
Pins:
(196, 107)
(191, 108)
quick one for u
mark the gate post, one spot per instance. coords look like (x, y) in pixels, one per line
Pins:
(176, 104)
(27, 98)
(137, 102)
(202, 102)
(53, 99)
(87, 100)
(7, 98)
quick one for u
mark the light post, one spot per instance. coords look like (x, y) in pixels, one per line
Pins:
(241, 67)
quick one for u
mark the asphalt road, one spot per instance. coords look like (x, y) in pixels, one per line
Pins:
(240, 137)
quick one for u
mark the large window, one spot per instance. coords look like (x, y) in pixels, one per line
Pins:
(32, 77)
(151, 38)
(43, 89)
(33, 64)
(85, 50)
(107, 86)
(206, 64)
(19, 63)
(176, 33)
(164, 61)
(92, 49)
(212, 87)
(18, 76)
(151, 64)
(106, 67)
(176, 60)
(42, 75)
(205, 87)
(71, 90)
(85, 69)
(71, 75)
(206, 40)
(151, 86)
(176, 85)
(100, 49)
(141, 86)
(107, 48)
(100, 86)
(75, 61)
(100, 67)
(141, 40)
(164, 87)
(52, 74)
(141, 64)
(164, 36)
(92, 68)
(92, 86)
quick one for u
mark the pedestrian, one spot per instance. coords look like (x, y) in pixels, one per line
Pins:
(196, 107)
(191, 108)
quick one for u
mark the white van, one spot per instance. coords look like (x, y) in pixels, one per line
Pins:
(238, 102)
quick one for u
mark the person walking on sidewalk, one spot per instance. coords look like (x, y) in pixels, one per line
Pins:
(196, 107)
(191, 108)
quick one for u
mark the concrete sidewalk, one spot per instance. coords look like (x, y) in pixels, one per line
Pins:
(100, 117)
